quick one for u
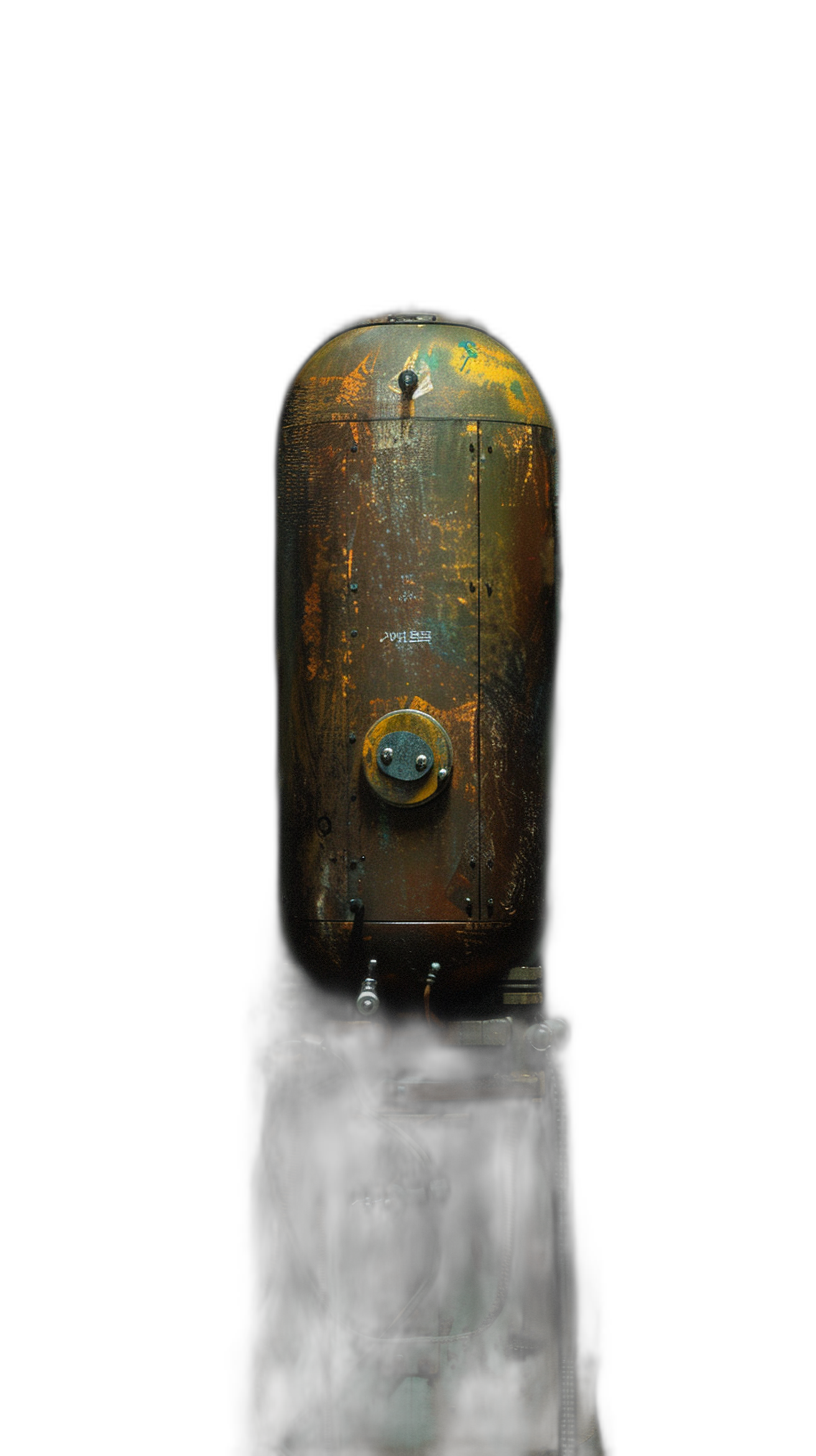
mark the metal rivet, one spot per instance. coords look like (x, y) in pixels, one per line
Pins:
(490, 449)
(422, 760)
(354, 449)
(473, 449)
(442, 775)
(473, 864)
(352, 737)
(354, 631)
(353, 586)
(469, 905)
(387, 755)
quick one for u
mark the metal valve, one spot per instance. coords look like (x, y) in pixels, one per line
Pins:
(542, 1035)
(368, 1002)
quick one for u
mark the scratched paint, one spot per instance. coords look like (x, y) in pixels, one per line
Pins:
(417, 567)
(354, 376)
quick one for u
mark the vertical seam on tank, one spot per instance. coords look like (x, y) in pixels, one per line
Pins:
(479, 663)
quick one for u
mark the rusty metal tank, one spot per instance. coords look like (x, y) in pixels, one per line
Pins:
(416, 629)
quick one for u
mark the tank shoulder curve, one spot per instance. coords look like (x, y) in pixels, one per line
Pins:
(461, 373)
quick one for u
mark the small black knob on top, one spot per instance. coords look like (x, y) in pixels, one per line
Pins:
(408, 382)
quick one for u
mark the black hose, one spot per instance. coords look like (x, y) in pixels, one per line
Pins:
(566, 1260)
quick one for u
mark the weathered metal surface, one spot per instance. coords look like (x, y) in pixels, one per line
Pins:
(462, 374)
(416, 574)
(412, 495)
(474, 955)
(517, 637)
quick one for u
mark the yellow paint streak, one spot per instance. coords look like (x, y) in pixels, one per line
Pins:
(495, 367)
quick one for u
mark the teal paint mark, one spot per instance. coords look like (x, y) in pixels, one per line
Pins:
(516, 389)
(470, 352)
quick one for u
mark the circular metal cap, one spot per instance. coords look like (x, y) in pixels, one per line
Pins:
(419, 763)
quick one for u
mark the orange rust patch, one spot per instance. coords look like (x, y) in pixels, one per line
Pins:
(354, 383)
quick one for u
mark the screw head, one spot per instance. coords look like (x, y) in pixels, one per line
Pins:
(387, 755)
(442, 775)
(422, 760)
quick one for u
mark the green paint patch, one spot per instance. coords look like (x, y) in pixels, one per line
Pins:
(516, 389)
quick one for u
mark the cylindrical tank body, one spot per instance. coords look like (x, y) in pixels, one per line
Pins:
(416, 621)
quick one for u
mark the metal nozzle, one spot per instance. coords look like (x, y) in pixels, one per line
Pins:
(368, 1002)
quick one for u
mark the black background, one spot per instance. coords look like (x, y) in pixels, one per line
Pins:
(603, 334)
